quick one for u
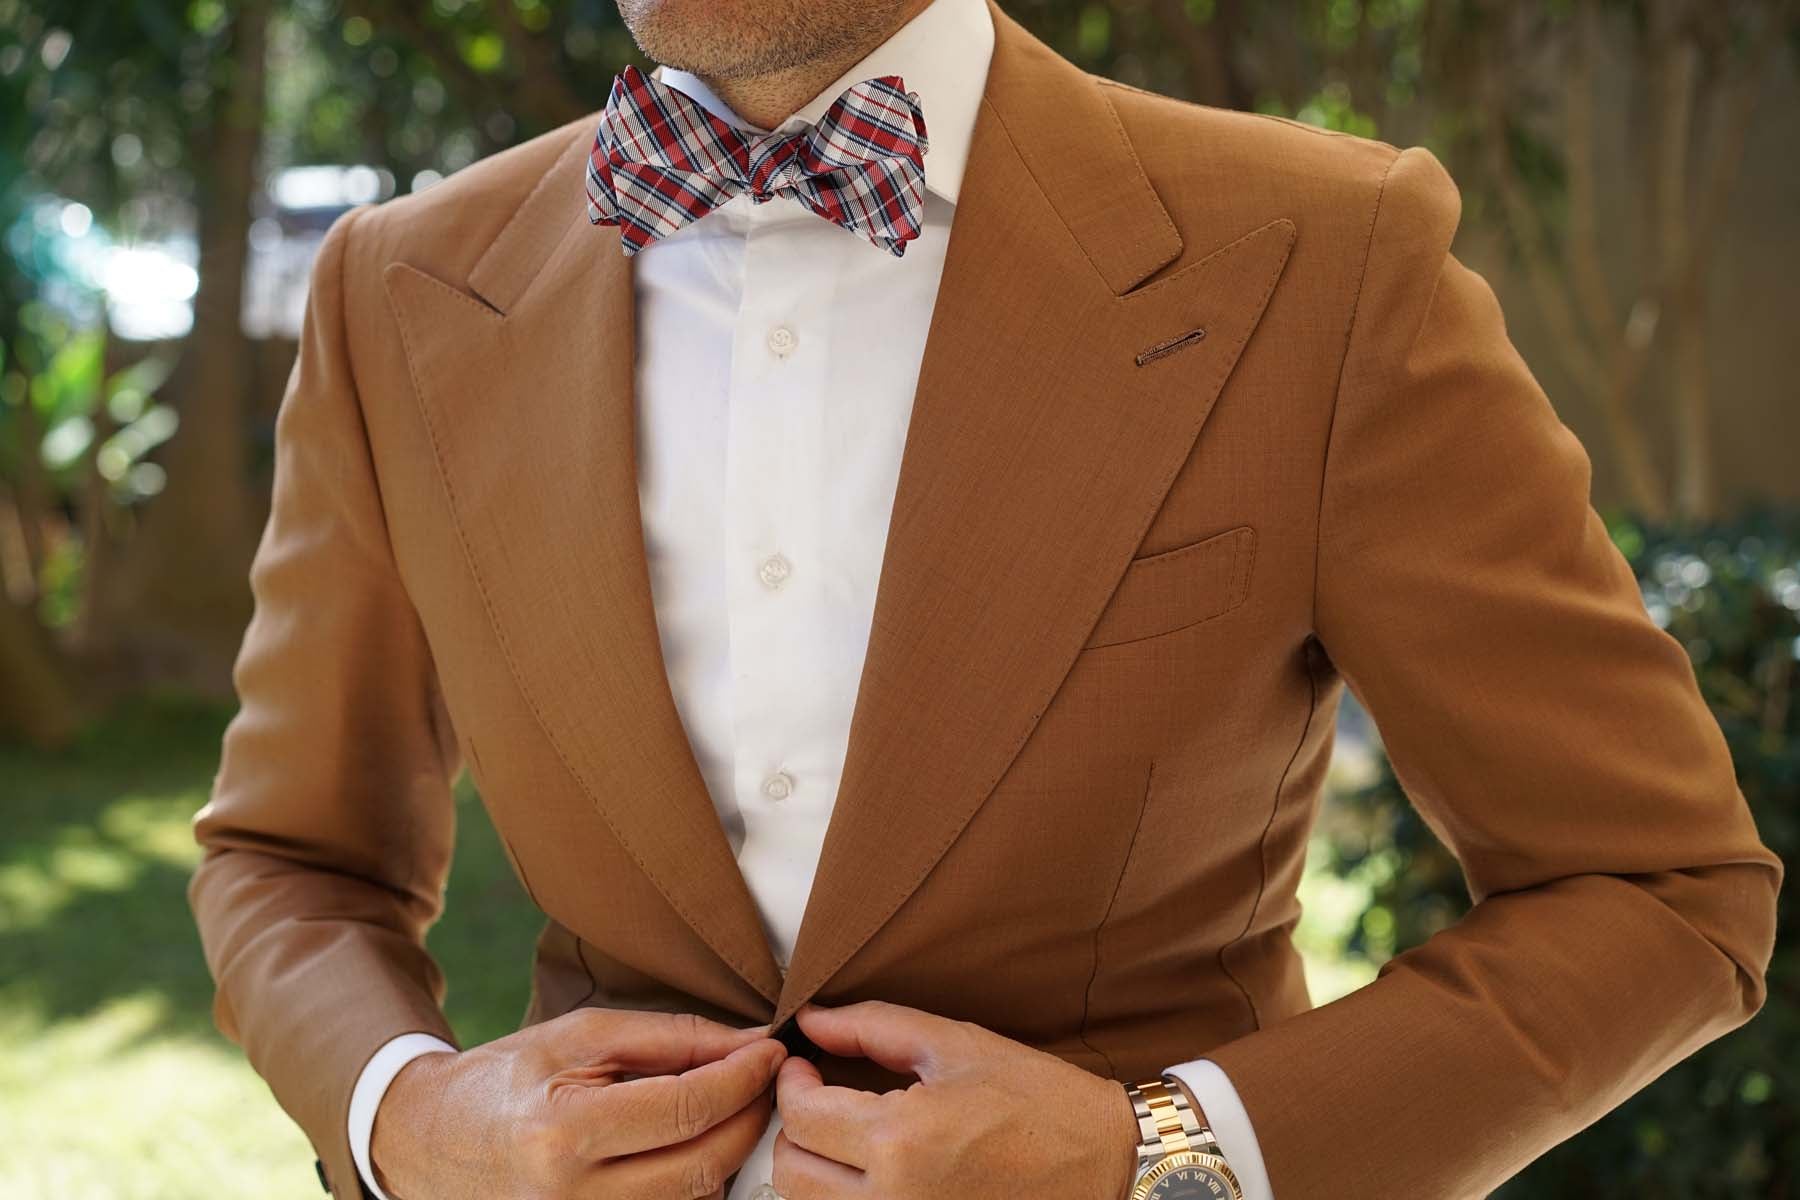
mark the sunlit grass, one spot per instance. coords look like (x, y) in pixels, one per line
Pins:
(101, 1106)
(132, 833)
(114, 1085)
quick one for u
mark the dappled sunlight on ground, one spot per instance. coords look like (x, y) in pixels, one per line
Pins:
(114, 1084)
(106, 1107)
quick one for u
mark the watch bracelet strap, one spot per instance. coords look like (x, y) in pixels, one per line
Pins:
(1167, 1123)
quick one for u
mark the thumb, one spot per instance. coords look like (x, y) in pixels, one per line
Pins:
(902, 1039)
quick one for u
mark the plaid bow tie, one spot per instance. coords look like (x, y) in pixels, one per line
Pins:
(661, 160)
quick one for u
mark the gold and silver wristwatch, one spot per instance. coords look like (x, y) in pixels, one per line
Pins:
(1178, 1159)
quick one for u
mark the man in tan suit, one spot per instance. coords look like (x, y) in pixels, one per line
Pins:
(1188, 421)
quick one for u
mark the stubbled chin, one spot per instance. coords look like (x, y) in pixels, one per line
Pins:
(736, 38)
(706, 37)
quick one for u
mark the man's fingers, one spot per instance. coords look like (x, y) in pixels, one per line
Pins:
(833, 1122)
(898, 1038)
(662, 1110)
(799, 1174)
(649, 1043)
(686, 1171)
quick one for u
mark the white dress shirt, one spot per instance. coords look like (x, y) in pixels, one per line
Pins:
(769, 435)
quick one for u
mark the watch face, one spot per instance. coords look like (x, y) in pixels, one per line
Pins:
(1188, 1177)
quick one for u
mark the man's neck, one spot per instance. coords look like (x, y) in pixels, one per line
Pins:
(767, 100)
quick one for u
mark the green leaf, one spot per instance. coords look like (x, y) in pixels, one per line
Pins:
(70, 384)
(1094, 32)
(485, 52)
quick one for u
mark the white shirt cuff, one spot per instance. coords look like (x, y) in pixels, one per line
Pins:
(372, 1085)
(1230, 1124)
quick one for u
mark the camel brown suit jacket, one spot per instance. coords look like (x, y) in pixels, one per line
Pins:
(1130, 570)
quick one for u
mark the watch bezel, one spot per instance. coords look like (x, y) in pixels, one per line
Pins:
(1155, 1173)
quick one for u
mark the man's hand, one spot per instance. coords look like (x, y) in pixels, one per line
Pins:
(593, 1105)
(988, 1118)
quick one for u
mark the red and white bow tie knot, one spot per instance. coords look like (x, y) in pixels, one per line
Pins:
(660, 160)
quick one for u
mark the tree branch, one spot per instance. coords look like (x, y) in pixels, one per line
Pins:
(1612, 388)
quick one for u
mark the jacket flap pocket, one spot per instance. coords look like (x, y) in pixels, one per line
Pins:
(1171, 590)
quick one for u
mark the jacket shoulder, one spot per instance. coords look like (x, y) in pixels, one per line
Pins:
(1227, 171)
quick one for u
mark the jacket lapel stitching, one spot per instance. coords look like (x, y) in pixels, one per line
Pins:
(531, 700)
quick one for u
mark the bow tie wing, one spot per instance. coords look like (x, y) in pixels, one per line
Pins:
(659, 161)
(862, 165)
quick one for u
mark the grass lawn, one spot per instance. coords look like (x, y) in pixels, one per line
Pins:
(114, 1084)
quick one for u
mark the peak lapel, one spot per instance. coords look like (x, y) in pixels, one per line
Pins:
(1036, 457)
(528, 396)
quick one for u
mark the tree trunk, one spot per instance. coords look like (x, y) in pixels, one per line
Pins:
(183, 598)
(31, 500)
(37, 699)
(1208, 52)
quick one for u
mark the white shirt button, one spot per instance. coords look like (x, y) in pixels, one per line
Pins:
(765, 1192)
(782, 340)
(774, 570)
(778, 786)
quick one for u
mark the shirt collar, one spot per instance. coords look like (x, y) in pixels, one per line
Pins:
(942, 54)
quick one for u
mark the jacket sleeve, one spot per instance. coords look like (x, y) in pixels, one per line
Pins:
(1545, 729)
(328, 833)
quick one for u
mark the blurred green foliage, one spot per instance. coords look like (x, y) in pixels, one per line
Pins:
(1725, 1122)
